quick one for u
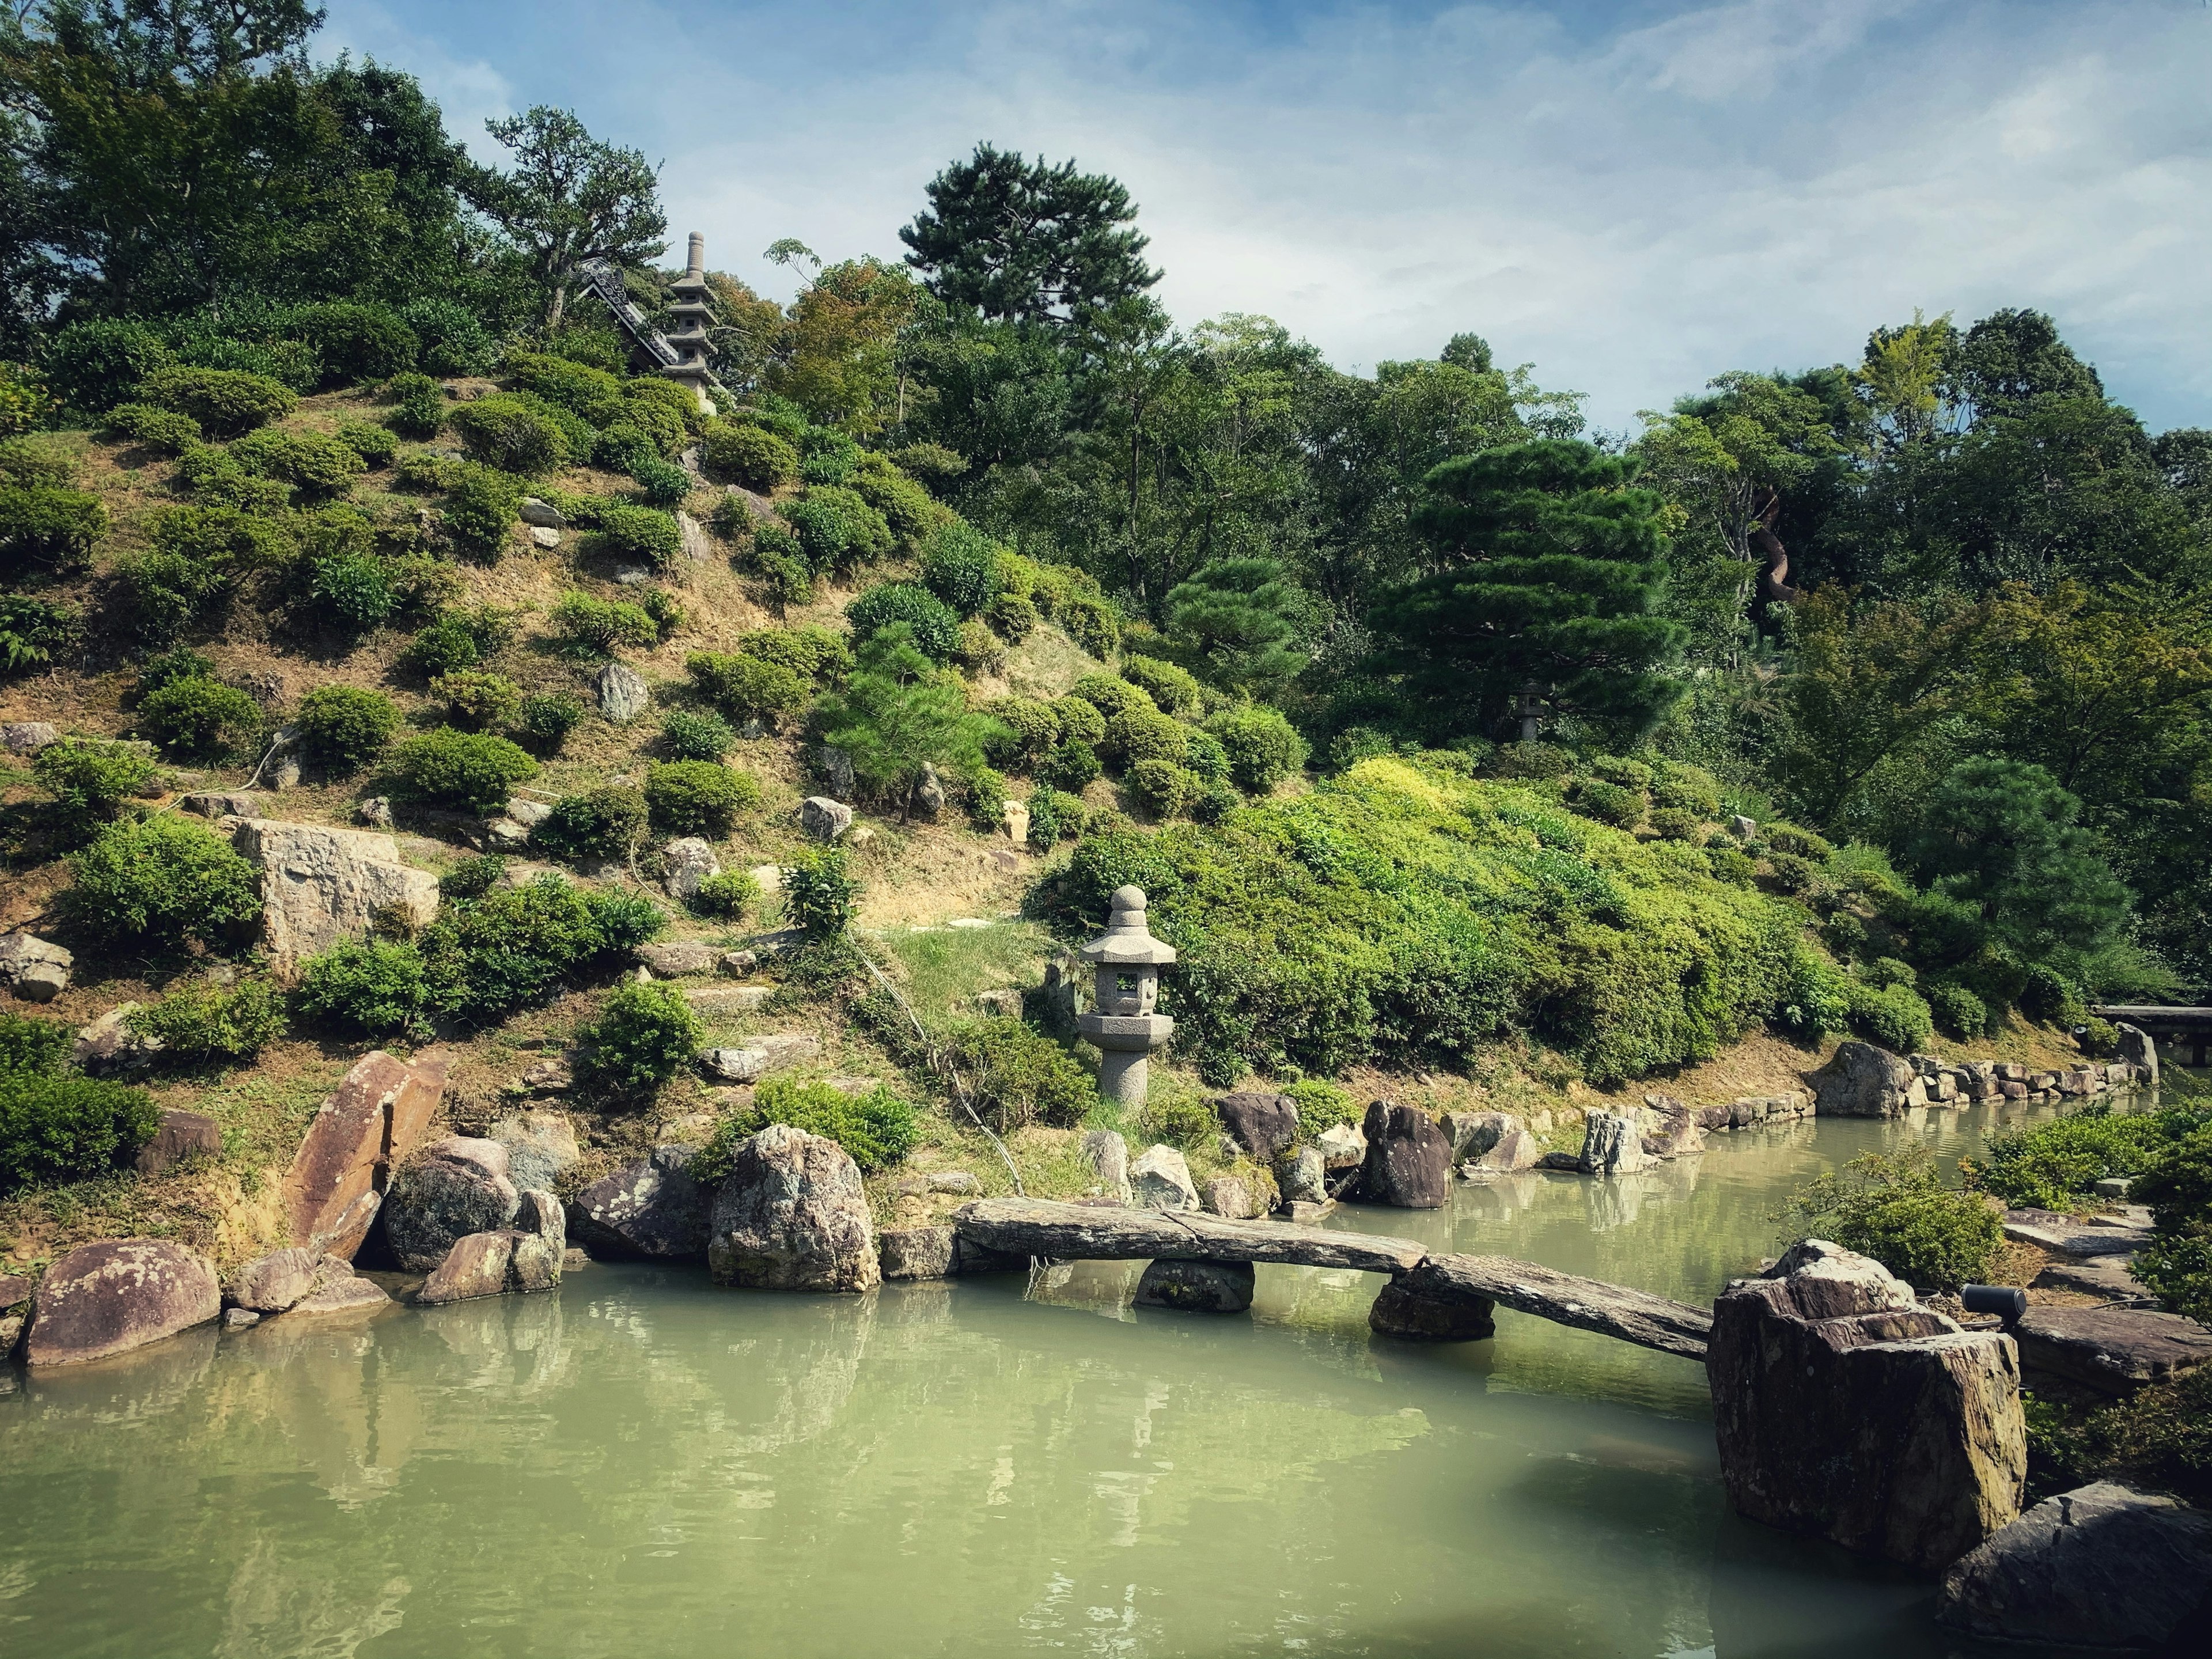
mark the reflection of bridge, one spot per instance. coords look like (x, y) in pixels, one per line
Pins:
(2189, 1029)
(1019, 1228)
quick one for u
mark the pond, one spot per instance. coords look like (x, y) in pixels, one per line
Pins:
(642, 1464)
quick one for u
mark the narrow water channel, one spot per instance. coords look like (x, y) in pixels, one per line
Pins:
(644, 1465)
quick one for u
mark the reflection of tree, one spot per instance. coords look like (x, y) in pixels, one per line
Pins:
(281, 1604)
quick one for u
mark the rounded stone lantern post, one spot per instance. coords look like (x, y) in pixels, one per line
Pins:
(1122, 1021)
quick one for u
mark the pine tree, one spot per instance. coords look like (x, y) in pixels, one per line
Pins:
(1546, 571)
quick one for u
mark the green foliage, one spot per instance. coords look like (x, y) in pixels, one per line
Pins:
(217, 479)
(819, 892)
(169, 430)
(747, 455)
(1533, 762)
(97, 361)
(906, 507)
(1896, 1017)
(1263, 748)
(453, 339)
(419, 405)
(89, 779)
(934, 629)
(1898, 1211)
(344, 728)
(1173, 689)
(899, 713)
(1243, 617)
(877, 1127)
(513, 946)
(547, 718)
(1014, 617)
(640, 533)
(1053, 817)
(1161, 788)
(476, 700)
(2177, 1183)
(1816, 997)
(2159, 1438)
(49, 526)
(317, 465)
(1022, 1076)
(686, 735)
(165, 879)
(223, 401)
(1029, 730)
(1321, 1106)
(511, 434)
(366, 988)
(209, 1022)
(1144, 734)
(199, 718)
(662, 483)
(1214, 801)
(357, 342)
(778, 558)
(698, 797)
(732, 895)
(1687, 788)
(1071, 767)
(1081, 721)
(748, 687)
(644, 1035)
(604, 627)
(1177, 1117)
(33, 1045)
(811, 651)
(57, 1126)
(836, 530)
(471, 770)
(591, 393)
(960, 566)
(33, 632)
(1608, 802)
(374, 445)
(1111, 697)
(1957, 1010)
(479, 510)
(606, 822)
(2056, 1164)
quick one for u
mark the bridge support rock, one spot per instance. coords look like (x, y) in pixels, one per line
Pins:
(1427, 1305)
(1197, 1286)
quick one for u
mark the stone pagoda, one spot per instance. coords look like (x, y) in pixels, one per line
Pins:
(690, 318)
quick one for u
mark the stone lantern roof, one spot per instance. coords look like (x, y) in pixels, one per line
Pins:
(1127, 941)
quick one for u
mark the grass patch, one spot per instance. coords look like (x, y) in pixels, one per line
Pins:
(945, 967)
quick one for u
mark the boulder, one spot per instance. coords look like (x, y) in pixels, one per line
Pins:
(31, 968)
(27, 737)
(122, 1293)
(1425, 1306)
(15, 1292)
(1341, 1146)
(2112, 1349)
(952, 1181)
(725, 1000)
(1264, 1124)
(1197, 1286)
(378, 1113)
(678, 957)
(1864, 1081)
(1846, 1411)
(321, 886)
(791, 1215)
(181, 1134)
(547, 1077)
(222, 804)
(1015, 815)
(650, 1208)
(1108, 1156)
(541, 514)
(541, 1226)
(270, 1283)
(1408, 1162)
(1473, 1133)
(759, 1056)
(691, 863)
(1303, 1176)
(240, 1319)
(1613, 1145)
(473, 1266)
(541, 1146)
(927, 800)
(694, 538)
(835, 767)
(623, 693)
(544, 536)
(738, 963)
(823, 818)
(1160, 1180)
(2100, 1567)
(108, 1044)
(1514, 1151)
(915, 1252)
(2135, 1049)
(339, 1290)
(1673, 1129)
(1230, 1196)
(453, 1188)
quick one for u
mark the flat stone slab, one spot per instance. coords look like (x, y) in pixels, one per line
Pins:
(2065, 1234)
(2105, 1277)
(1082, 1232)
(1589, 1304)
(2113, 1349)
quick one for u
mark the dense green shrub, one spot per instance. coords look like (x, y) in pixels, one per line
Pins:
(476, 700)
(471, 770)
(1053, 817)
(644, 1035)
(689, 735)
(351, 590)
(748, 687)
(89, 779)
(591, 393)
(1898, 1211)
(1608, 802)
(1687, 788)
(1176, 690)
(1214, 801)
(819, 893)
(374, 445)
(1080, 719)
(1161, 788)
(194, 557)
(43, 524)
(452, 340)
(198, 718)
(1816, 995)
(1022, 1076)
(936, 630)
(167, 878)
(733, 895)
(960, 567)
(1071, 767)
(370, 987)
(1112, 697)
(662, 483)
(223, 401)
(697, 797)
(216, 479)
(209, 1022)
(1731, 864)
(2055, 1165)
(1178, 1117)
(2177, 1184)
(1204, 754)
(33, 632)
(809, 650)
(1321, 1106)
(606, 822)
(547, 718)
(778, 559)
(99, 362)
(33, 1045)
(344, 728)
(170, 430)
(907, 507)
(1534, 762)
(1091, 621)
(1622, 772)
(604, 627)
(479, 511)
(59, 1126)
(1029, 731)
(2159, 1438)
(622, 448)
(314, 463)
(836, 529)
(641, 533)
(1013, 615)
(1789, 839)
(747, 455)
(1675, 824)
(357, 342)
(485, 956)
(1145, 734)
(511, 434)
(1957, 1010)
(1895, 1016)
(877, 1126)
(1263, 748)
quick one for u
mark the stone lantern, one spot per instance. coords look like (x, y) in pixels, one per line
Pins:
(1122, 1021)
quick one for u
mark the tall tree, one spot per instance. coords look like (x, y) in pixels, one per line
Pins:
(1548, 565)
(569, 199)
(1014, 240)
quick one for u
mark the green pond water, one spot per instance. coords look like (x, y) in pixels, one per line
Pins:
(644, 1465)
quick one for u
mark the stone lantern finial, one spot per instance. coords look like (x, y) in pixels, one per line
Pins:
(1128, 960)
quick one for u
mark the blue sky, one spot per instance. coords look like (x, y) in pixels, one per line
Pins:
(1633, 196)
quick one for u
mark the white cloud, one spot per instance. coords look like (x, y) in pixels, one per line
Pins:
(1633, 207)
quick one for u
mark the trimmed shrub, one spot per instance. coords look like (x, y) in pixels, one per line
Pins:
(689, 736)
(644, 1035)
(662, 483)
(1161, 788)
(1091, 621)
(592, 393)
(352, 590)
(102, 359)
(1053, 817)
(33, 1045)
(1731, 864)
(479, 511)
(640, 532)
(1022, 1076)
(1898, 1211)
(1263, 748)
(747, 455)
(1686, 788)
(1030, 730)
(1214, 801)
(1178, 1117)
(607, 822)
(356, 342)
(2177, 1184)
(819, 892)
(453, 341)
(169, 430)
(374, 445)
(907, 507)
(209, 1022)
(199, 718)
(1792, 841)
(418, 406)
(1673, 823)
(1896, 1017)
(2055, 1165)
(1080, 719)
(58, 1126)
(476, 700)
(1111, 697)
(513, 946)
(601, 627)
(936, 630)
(470, 770)
(344, 728)
(809, 650)
(40, 523)
(225, 402)
(878, 1128)
(217, 479)
(697, 797)
(167, 878)
(1321, 1106)
(732, 895)
(89, 779)
(1145, 734)
(960, 567)
(1534, 762)
(1071, 767)
(1957, 1010)
(1013, 615)
(511, 434)
(1608, 802)
(1176, 690)
(546, 718)
(778, 559)
(836, 529)
(1622, 773)
(748, 687)
(1204, 755)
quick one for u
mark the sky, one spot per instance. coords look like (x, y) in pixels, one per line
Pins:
(1631, 197)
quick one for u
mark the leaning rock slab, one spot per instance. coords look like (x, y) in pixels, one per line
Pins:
(792, 1216)
(2114, 1350)
(182, 1135)
(623, 693)
(1108, 1156)
(1864, 1081)
(1613, 1145)
(321, 886)
(1160, 1180)
(473, 1266)
(650, 1208)
(1473, 1133)
(2100, 1567)
(454, 1188)
(378, 1113)
(1845, 1412)
(1514, 1151)
(1264, 1124)
(823, 818)
(1408, 1161)
(120, 1294)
